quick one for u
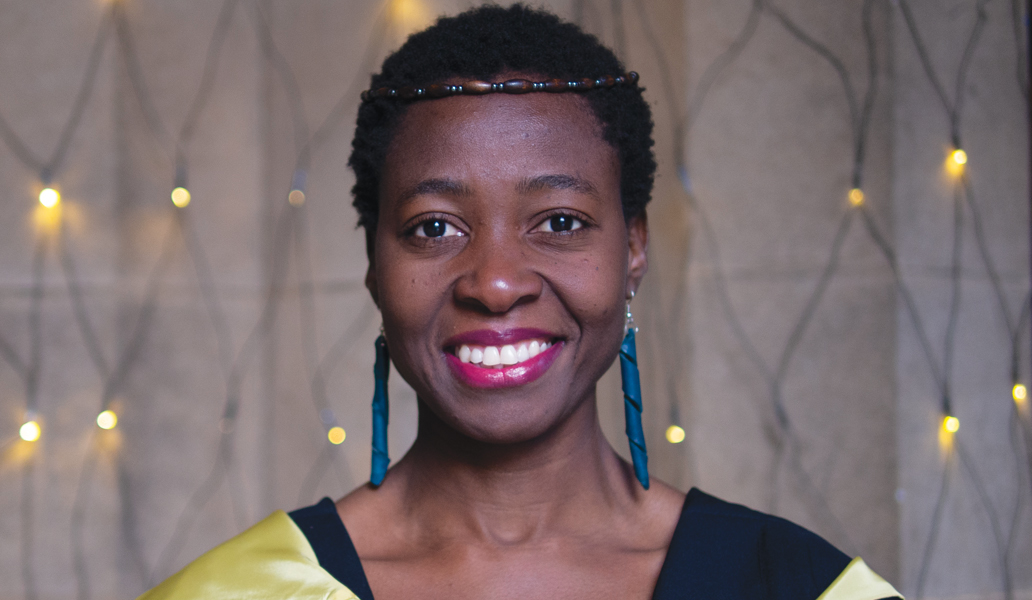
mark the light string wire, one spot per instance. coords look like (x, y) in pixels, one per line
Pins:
(234, 369)
(285, 229)
(319, 370)
(112, 384)
(1020, 47)
(1021, 443)
(782, 434)
(134, 71)
(965, 192)
(1003, 550)
(48, 168)
(933, 530)
(113, 380)
(204, 273)
(860, 121)
(235, 372)
(1002, 545)
(30, 374)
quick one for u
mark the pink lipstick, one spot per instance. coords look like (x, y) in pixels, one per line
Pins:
(495, 359)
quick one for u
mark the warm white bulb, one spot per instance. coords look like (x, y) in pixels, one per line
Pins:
(107, 419)
(336, 435)
(951, 424)
(1020, 392)
(181, 197)
(675, 434)
(856, 196)
(30, 431)
(49, 197)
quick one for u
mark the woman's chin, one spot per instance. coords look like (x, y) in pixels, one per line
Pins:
(506, 420)
(510, 433)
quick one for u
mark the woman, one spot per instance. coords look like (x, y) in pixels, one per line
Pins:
(506, 234)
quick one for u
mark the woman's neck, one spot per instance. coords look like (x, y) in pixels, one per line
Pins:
(509, 493)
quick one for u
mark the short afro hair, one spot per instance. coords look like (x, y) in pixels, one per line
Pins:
(483, 43)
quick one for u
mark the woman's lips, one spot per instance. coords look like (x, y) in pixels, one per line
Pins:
(507, 365)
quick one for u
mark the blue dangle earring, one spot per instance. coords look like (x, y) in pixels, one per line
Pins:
(632, 399)
(381, 408)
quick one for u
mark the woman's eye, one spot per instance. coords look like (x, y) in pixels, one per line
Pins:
(435, 228)
(561, 223)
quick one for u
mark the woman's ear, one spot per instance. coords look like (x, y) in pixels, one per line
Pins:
(370, 275)
(637, 250)
(370, 283)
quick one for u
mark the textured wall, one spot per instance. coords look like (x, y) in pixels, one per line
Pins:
(782, 327)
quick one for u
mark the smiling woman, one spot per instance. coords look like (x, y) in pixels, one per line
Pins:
(503, 165)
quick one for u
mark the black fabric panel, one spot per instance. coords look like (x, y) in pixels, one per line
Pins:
(332, 545)
(723, 551)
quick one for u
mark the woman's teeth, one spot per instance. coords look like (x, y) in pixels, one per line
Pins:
(501, 356)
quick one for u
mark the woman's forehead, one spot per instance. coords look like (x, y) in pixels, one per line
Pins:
(507, 135)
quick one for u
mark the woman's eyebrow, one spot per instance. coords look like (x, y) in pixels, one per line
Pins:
(556, 182)
(442, 187)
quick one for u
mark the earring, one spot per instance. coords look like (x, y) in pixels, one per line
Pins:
(632, 399)
(381, 408)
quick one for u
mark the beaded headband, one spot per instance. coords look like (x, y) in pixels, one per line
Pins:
(512, 86)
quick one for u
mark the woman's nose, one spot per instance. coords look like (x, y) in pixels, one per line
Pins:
(499, 276)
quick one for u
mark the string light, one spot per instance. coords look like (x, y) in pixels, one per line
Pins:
(181, 197)
(107, 419)
(296, 197)
(675, 434)
(410, 15)
(856, 197)
(955, 162)
(949, 428)
(49, 197)
(1020, 392)
(336, 435)
(30, 431)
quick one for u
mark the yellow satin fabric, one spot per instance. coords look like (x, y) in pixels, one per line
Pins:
(858, 582)
(271, 560)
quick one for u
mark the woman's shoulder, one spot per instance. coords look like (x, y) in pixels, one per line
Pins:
(271, 560)
(725, 549)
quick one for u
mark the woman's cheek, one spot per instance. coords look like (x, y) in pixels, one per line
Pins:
(412, 296)
(596, 288)
(404, 293)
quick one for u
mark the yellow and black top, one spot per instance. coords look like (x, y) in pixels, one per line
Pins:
(719, 551)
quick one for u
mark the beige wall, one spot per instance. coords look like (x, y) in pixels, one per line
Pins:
(254, 300)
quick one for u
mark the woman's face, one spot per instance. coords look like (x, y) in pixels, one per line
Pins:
(502, 260)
